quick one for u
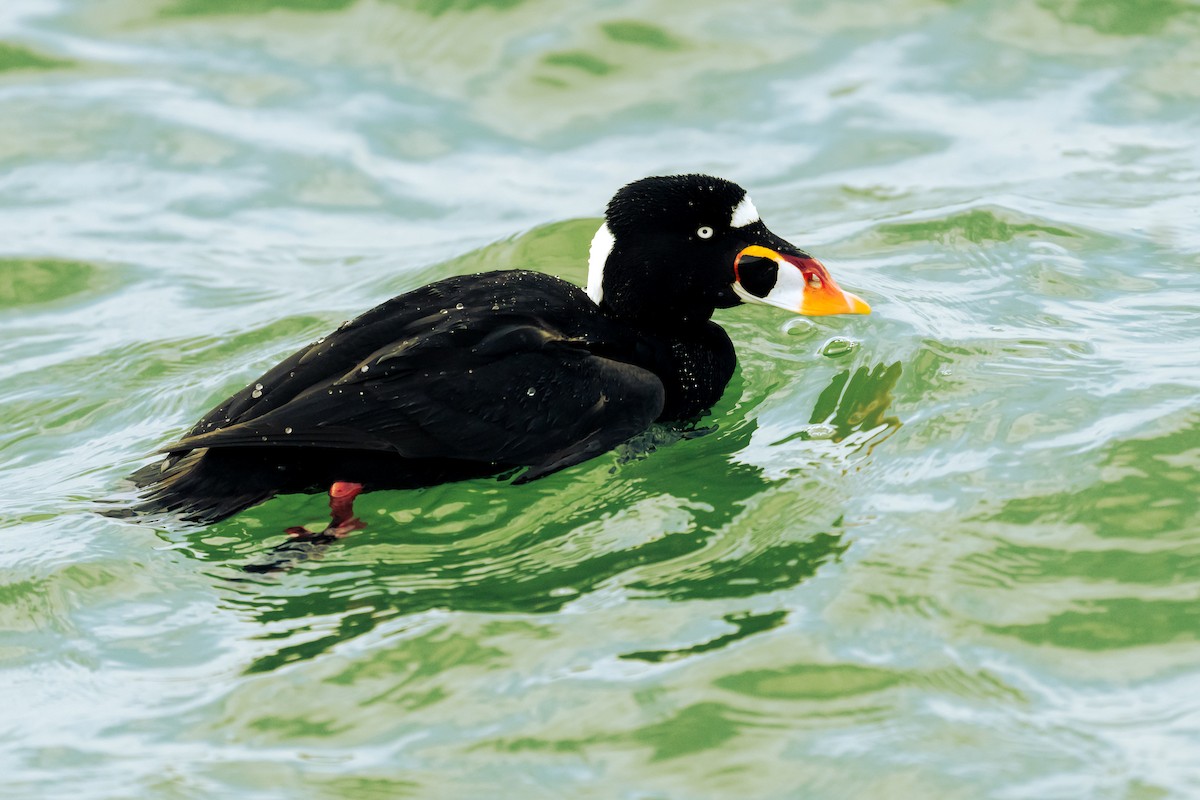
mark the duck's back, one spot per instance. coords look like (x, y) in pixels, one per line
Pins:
(459, 378)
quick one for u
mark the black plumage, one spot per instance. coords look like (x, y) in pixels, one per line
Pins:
(478, 374)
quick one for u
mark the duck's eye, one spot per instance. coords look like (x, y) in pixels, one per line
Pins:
(704, 232)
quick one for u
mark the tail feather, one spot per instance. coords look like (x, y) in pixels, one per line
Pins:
(200, 487)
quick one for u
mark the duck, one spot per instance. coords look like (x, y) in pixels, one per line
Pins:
(510, 372)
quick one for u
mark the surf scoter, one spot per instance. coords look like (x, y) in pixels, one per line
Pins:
(476, 375)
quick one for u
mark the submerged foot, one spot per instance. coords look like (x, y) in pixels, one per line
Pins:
(303, 544)
(341, 509)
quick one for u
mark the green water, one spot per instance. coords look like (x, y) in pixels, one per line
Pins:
(949, 550)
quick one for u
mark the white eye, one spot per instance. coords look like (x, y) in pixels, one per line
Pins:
(704, 232)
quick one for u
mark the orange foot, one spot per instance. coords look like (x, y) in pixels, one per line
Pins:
(341, 509)
(342, 521)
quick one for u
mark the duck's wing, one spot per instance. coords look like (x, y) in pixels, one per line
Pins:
(406, 318)
(519, 397)
(518, 391)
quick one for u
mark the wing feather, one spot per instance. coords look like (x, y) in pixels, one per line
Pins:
(516, 393)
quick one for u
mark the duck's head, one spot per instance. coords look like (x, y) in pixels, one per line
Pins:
(674, 248)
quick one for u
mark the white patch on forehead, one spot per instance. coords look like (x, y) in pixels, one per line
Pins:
(744, 214)
(602, 245)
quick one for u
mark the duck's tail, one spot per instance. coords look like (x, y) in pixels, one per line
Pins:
(202, 486)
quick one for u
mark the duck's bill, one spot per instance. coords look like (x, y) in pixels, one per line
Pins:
(795, 281)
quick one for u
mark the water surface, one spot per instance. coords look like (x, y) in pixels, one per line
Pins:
(948, 550)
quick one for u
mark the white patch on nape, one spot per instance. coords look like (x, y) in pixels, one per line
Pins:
(744, 214)
(602, 245)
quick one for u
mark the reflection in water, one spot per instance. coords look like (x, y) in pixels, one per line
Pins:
(859, 402)
(851, 415)
(1119, 19)
(744, 625)
(538, 549)
(1140, 518)
(657, 524)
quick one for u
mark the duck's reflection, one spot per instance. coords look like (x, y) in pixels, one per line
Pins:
(665, 527)
(859, 401)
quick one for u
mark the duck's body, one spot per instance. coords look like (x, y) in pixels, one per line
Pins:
(479, 374)
(464, 377)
